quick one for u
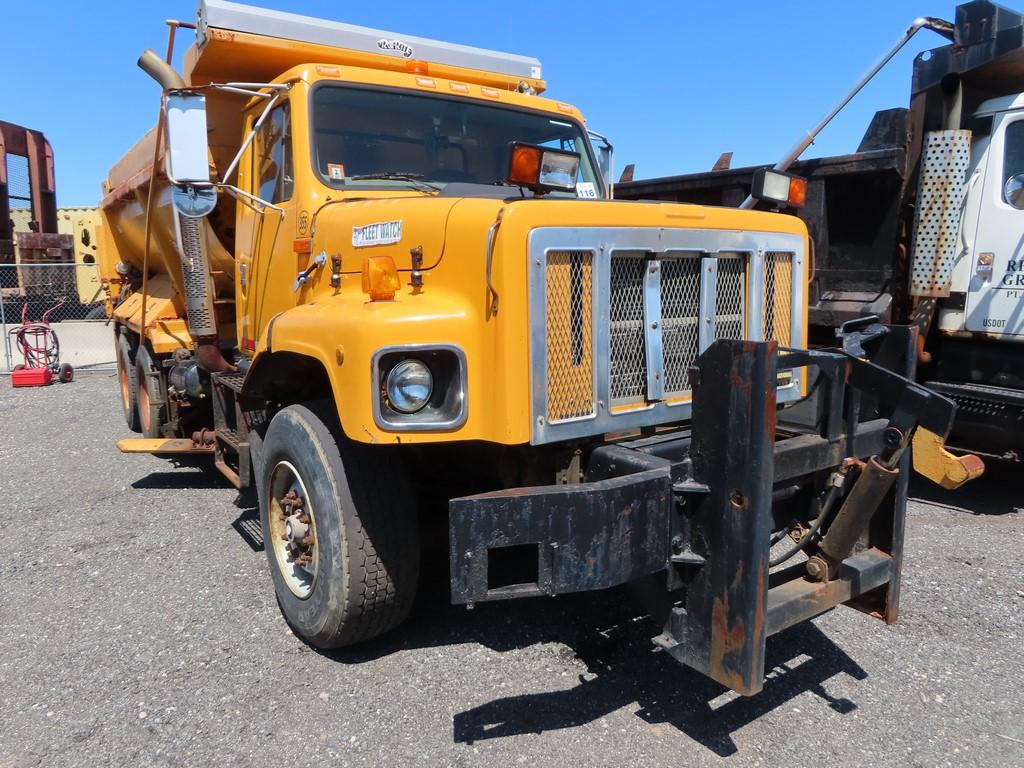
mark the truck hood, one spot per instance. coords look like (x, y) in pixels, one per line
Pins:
(391, 226)
(395, 226)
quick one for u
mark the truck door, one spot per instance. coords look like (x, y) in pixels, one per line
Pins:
(995, 296)
(267, 265)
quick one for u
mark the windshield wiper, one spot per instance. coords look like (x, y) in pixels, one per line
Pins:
(416, 179)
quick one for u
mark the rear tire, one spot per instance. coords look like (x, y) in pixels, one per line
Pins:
(363, 567)
(128, 381)
(151, 394)
(66, 374)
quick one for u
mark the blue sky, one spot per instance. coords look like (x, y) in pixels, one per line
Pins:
(673, 84)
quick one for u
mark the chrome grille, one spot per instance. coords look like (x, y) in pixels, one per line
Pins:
(680, 317)
(628, 352)
(570, 337)
(778, 291)
(730, 297)
(619, 315)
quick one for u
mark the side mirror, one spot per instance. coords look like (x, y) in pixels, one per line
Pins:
(605, 158)
(1013, 191)
(188, 167)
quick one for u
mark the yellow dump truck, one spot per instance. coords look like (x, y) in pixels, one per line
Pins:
(382, 280)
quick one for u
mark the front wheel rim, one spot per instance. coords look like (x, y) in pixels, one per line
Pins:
(293, 533)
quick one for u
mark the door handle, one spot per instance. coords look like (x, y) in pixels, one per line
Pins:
(304, 275)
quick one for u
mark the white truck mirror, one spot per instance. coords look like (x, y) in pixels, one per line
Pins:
(1013, 191)
(605, 158)
(188, 168)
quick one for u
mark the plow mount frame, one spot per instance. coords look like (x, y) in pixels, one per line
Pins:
(702, 505)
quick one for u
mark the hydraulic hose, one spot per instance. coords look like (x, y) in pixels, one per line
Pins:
(826, 509)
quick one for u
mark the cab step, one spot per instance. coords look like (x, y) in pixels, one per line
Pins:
(162, 446)
(231, 430)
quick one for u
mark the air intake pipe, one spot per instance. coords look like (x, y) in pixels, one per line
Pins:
(160, 70)
(191, 235)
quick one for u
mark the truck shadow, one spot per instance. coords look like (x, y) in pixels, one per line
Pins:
(665, 693)
(994, 493)
(610, 651)
(184, 474)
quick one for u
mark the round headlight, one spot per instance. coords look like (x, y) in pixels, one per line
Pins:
(409, 386)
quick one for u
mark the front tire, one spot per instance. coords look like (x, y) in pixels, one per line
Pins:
(339, 529)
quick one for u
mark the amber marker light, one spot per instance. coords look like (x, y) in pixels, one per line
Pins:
(380, 278)
(524, 168)
(797, 192)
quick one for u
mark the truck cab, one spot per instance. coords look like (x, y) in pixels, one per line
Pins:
(989, 277)
(977, 355)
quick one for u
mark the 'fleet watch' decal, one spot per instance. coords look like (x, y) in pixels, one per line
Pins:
(379, 233)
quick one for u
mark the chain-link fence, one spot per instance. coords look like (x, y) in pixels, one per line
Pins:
(66, 295)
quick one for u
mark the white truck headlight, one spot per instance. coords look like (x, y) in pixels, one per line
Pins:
(559, 170)
(409, 386)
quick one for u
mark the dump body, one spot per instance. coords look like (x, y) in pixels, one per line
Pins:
(915, 226)
(852, 214)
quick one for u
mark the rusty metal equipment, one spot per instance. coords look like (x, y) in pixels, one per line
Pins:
(703, 506)
(28, 219)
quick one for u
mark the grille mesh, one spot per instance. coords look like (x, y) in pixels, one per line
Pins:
(570, 338)
(730, 297)
(627, 359)
(778, 292)
(680, 313)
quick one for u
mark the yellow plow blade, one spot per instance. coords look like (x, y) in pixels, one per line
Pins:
(932, 460)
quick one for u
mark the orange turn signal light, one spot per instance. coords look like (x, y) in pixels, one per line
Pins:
(797, 192)
(524, 167)
(380, 278)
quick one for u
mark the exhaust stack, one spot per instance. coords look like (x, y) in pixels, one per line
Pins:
(188, 169)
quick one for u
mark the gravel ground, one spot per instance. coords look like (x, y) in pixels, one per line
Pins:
(138, 627)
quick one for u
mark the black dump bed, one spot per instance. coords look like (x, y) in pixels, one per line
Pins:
(860, 206)
(851, 214)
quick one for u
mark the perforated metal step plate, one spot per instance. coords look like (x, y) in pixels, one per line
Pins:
(941, 186)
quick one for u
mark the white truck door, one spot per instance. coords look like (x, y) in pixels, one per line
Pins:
(995, 297)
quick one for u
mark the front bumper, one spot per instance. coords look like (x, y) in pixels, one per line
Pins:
(989, 420)
(699, 505)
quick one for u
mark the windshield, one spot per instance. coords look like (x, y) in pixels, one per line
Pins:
(358, 132)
